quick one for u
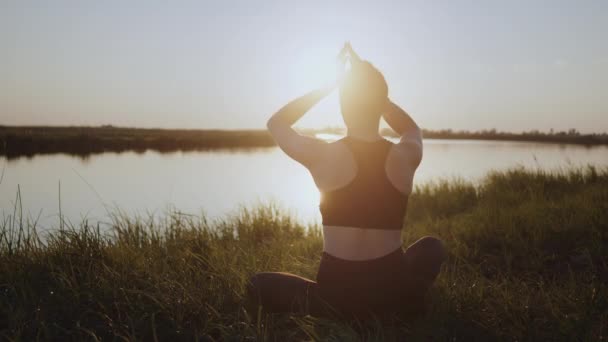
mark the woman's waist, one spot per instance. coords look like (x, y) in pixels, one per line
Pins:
(360, 274)
(359, 244)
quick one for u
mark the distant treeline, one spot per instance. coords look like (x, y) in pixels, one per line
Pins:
(571, 136)
(27, 141)
(83, 141)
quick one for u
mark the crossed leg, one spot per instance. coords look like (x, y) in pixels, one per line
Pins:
(425, 257)
(422, 263)
(284, 292)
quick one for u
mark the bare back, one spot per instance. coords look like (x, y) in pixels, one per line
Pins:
(333, 166)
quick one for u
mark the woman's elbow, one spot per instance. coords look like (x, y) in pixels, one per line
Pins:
(273, 123)
(270, 123)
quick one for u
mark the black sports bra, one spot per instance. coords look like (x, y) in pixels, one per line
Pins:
(370, 200)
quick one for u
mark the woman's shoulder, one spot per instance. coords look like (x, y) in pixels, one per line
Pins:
(335, 168)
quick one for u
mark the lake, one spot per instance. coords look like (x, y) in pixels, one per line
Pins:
(218, 182)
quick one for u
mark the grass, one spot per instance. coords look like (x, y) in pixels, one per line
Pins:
(528, 260)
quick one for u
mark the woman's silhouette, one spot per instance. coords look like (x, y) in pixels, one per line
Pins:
(364, 182)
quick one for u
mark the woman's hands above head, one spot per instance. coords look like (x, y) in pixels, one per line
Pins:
(294, 110)
(343, 55)
(354, 57)
(347, 55)
(348, 52)
(341, 62)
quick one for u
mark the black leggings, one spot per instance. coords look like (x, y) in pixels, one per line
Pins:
(394, 283)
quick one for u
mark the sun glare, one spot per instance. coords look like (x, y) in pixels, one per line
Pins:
(311, 71)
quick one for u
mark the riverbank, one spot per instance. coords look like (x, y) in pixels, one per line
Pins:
(84, 141)
(527, 261)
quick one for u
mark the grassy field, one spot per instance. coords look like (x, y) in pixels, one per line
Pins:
(83, 141)
(528, 260)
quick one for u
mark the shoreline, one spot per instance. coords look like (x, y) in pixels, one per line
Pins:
(19, 141)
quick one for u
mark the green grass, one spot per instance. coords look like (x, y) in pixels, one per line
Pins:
(528, 260)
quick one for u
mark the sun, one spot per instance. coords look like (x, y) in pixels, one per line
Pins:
(311, 68)
(314, 70)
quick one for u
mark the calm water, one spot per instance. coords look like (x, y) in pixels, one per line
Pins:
(218, 182)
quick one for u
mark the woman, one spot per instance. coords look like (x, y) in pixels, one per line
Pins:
(364, 182)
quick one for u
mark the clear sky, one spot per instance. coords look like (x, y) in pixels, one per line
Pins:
(509, 65)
